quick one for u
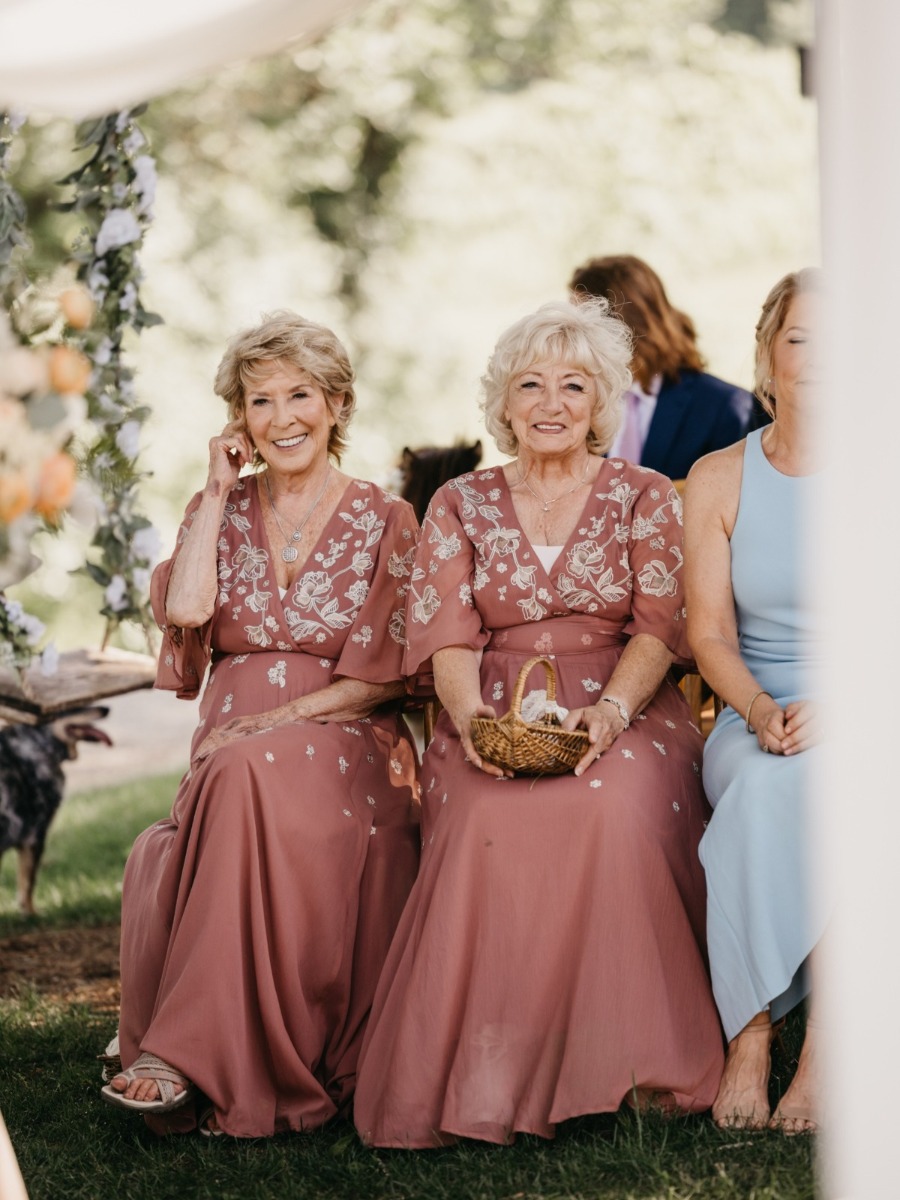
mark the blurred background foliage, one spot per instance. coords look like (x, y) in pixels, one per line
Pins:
(426, 173)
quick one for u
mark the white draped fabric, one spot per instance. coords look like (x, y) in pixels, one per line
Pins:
(79, 58)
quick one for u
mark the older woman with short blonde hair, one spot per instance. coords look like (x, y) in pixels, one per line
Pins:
(256, 917)
(550, 961)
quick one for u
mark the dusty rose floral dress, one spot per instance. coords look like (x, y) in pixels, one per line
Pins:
(256, 918)
(551, 956)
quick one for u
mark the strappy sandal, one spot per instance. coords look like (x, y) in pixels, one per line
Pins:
(148, 1066)
(112, 1061)
(208, 1114)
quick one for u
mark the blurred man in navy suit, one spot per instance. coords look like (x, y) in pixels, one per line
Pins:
(675, 412)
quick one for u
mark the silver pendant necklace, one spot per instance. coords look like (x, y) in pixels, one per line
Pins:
(547, 504)
(290, 551)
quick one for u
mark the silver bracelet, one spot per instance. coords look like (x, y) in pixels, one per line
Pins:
(619, 707)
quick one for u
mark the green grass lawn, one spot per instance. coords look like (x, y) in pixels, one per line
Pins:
(71, 1145)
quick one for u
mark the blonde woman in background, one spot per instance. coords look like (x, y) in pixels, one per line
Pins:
(752, 628)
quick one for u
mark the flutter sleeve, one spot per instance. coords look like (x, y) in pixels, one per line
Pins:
(656, 558)
(440, 607)
(373, 650)
(185, 653)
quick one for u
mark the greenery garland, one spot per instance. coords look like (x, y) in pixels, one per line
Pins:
(114, 191)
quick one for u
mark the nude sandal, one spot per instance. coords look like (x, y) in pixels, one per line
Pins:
(148, 1066)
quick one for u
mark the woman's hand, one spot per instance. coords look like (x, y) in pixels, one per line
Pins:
(238, 728)
(603, 723)
(464, 729)
(802, 726)
(227, 454)
(768, 724)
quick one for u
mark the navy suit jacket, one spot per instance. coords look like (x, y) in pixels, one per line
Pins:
(694, 415)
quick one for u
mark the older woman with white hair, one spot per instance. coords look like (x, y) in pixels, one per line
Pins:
(550, 961)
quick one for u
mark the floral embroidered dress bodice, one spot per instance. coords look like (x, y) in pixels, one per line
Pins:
(332, 610)
(621, 560)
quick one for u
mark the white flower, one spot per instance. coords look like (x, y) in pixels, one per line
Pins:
(145, 544)
(119, 228)
(128, 439)
(128, 299)
(49, 660)
(145, 182)
(270, 757)
(595, 783)
(140, 577)
(116, 593)
(134, 141)
(343, 765)
(98, 282)
(226, 706)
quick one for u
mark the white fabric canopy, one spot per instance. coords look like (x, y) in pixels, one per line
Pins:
(78, 59)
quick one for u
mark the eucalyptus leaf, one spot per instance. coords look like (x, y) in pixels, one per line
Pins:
(46, 411)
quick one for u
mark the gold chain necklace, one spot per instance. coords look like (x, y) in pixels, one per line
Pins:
(290, 551)
(547, 504)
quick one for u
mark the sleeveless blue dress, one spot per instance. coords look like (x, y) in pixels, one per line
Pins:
(762, 921)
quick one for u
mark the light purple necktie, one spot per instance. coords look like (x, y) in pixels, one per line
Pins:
(631, 443)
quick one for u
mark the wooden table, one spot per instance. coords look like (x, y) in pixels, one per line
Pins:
(83, 677)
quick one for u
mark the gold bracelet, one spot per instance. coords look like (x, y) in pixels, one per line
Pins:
(753, 699)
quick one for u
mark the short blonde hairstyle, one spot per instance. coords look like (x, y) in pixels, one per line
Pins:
(283, 336)
(770, 323)
(583, 334)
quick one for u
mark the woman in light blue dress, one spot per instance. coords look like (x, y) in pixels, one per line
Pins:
(753, 633)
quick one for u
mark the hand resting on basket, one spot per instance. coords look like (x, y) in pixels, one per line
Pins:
(603, 724)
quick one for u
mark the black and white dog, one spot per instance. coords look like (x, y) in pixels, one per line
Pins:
(32, 783)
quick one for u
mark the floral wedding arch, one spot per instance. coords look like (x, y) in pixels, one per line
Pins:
(69, 408)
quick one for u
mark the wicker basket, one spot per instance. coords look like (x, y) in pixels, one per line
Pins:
(529, 747)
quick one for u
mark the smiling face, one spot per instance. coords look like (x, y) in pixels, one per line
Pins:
(288, 417)
(549, 407)
(796, 363)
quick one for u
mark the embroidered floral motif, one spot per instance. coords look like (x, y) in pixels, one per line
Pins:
(270, 757)
(363, 636)
(595, 783)
(660, 747)
(276, 673)
(343, 765)
(226, 705)
(591, 685)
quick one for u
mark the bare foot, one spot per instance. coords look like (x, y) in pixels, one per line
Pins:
(797, 1110)
(742, 1101)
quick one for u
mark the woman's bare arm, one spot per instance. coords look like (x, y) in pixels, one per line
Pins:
(342, 700)
(710, 509)
(193, 584)
(458, 684)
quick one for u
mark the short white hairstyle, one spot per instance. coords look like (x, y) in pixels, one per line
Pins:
(584, 334)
